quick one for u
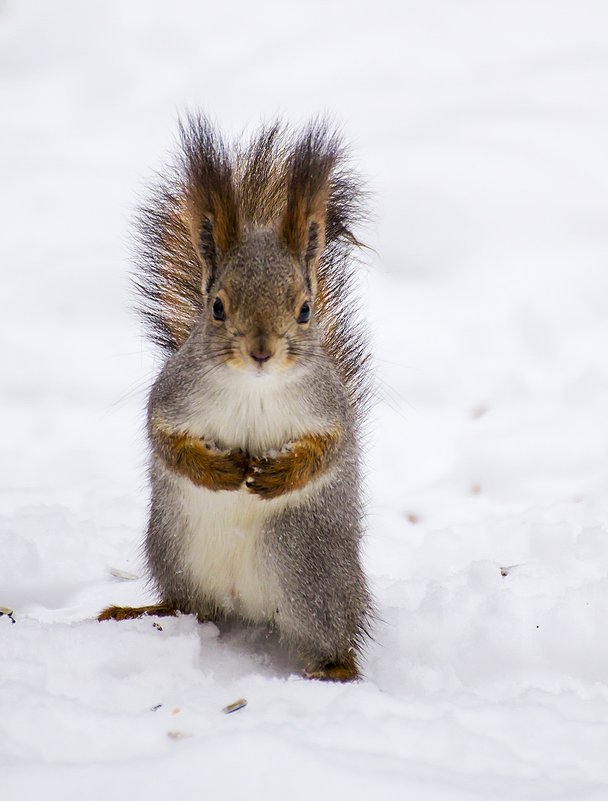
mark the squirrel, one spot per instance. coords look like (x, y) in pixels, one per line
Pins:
(244, 275)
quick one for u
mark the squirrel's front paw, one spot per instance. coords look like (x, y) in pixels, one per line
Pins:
(207, 466)
(227, 469)
(270, 477)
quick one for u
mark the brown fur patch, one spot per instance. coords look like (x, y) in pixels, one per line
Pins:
(204, 466)
(133, 612)
(309, 457)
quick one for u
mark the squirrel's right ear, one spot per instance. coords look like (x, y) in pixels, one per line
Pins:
(211, 201)
(309, 168)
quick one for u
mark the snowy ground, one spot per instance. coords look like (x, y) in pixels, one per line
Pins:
(482, 127)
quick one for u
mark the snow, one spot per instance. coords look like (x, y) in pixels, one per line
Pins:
(482, 129)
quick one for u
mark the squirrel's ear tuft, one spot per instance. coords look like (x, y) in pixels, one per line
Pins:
(210, 195)
(207, 248)
(309, 167)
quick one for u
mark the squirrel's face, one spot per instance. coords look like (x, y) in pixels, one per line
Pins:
(260, 310)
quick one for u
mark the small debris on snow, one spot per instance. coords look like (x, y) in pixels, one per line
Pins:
(155, 708)
(174, 734)
(123, 575)
(476, 489)
(4, 610)
(479, 411)
(235, 706)
(176, 710)
(412, 518)
(156, 626)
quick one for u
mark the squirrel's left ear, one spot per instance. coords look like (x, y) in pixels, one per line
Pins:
(304, 223)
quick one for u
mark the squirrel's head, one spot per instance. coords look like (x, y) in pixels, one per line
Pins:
(255, 241)
(260, 244)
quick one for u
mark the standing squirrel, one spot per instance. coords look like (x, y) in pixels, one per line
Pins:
(245, 274)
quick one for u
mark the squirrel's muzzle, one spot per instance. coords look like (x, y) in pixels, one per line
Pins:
(261, 347)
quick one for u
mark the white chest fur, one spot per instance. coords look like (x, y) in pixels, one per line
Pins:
(255, 413)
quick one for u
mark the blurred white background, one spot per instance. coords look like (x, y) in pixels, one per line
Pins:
(481, 128)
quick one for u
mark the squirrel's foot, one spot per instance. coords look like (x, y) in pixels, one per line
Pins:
(345, 670)
(132, 612)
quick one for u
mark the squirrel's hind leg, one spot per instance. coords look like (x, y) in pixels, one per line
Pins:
(324, 607)
(344, 670)
(133, 612)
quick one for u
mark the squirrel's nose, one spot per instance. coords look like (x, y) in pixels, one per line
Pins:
(260, 355)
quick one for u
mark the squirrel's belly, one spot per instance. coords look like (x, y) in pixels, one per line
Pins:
(224, 551)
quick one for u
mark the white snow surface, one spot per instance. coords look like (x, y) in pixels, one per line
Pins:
(482, 129)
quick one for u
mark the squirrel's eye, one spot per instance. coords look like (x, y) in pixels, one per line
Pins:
(218, 310)
(304, 315)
